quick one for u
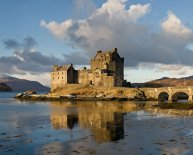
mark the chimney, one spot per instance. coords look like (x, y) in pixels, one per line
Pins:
(55, 67)
(99, 51)
(115, 50)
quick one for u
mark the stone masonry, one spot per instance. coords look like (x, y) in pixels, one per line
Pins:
(62, 75)
(107, 69)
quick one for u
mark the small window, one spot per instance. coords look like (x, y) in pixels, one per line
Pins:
(58, 77)
(58, 72)
(62, 77)
(53, 78)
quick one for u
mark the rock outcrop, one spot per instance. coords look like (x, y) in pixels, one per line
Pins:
(25, 94)
(88, 92)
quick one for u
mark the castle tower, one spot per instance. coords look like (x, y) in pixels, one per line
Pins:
(111, 64)
(62, 75)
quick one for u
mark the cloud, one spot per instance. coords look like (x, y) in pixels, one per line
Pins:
(8, 64)
(27, 43)
(113, 25)
(137, 11)
(173, 25)
(75, 57)
(96, 33)
(83, 8)
(43, 78)
(11, 43)
(175, 70)
(26, 59)
(58, 28)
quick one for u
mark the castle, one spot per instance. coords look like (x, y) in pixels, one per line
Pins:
(107, 69)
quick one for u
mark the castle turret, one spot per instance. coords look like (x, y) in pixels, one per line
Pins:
(115, 50)
(55, 68)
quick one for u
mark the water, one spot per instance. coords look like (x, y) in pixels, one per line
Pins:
(86, 128)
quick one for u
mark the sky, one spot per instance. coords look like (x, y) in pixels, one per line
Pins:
(154, 36)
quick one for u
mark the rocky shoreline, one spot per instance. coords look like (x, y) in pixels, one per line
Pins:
(86, 92)
(182, 109)
(172, 109)
(50, 97)
(115, 94)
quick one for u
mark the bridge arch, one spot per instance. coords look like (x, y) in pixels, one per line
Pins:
(180, 95)
(170, 93)
(163, 96)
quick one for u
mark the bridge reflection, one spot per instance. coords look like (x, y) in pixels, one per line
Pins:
(105, 120)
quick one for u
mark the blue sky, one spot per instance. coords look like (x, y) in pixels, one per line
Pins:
(153, 36)
(21, 18)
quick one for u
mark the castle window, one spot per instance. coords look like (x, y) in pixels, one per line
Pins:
(62, 77)
(58, 77)
(53, 78)
(58, 72)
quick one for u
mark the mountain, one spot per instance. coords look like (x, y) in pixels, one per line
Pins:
(167, 82)
(4, 88)
(188, 78)
(22, 84)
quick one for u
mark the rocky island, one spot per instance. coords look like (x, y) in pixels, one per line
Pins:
(86, 92)
(104, 80)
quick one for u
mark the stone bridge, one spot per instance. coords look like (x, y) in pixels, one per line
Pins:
(168, 93)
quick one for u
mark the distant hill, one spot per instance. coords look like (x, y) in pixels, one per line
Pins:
(22, 84)
(4, 88)
(167, 82)
(188, 78)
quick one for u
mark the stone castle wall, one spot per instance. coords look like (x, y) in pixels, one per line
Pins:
(58, 79)
(63, 76)
(107, 69)
(96, 78)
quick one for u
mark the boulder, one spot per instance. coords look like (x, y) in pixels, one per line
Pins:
(25, 94)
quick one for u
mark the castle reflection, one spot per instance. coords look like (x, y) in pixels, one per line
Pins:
(104, 119)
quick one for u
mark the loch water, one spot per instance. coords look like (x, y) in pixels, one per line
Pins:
(89, 128)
